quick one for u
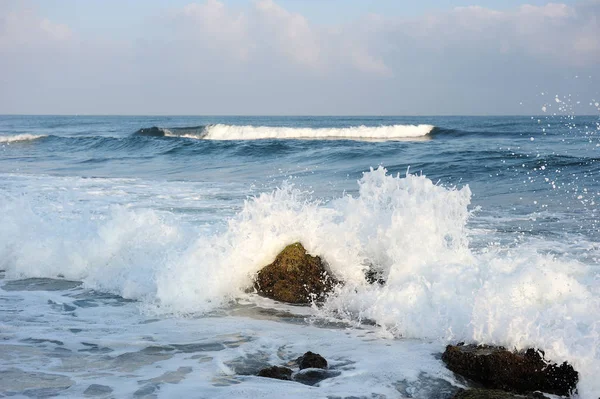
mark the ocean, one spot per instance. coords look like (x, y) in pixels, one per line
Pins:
(128, 247)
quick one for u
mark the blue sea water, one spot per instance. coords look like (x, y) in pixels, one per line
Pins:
(127, 251)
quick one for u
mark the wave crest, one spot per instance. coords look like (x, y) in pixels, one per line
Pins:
(391, 132)
(20, 137)
(247, 132)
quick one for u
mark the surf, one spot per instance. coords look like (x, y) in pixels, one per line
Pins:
(247, 132)
(414, 232)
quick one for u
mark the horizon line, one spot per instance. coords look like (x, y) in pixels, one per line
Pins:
(302, 115)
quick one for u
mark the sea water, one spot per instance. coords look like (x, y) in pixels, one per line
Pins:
(128, 247)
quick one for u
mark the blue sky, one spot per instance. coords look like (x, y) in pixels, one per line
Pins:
(297, 56)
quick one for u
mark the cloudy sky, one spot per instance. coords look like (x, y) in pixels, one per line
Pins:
(335, 57)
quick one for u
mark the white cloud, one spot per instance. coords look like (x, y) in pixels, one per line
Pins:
(568, 35)
(211, 57)
(23, 28)
(291, 33)
(213, 25)
(268, 31)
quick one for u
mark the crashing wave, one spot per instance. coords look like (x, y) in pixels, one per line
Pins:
(391, 132)
(235, 132)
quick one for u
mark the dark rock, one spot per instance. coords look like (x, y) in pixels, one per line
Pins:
(311, 360)
(151, 132)
(498, 368)
(313, 376)
(279, 373)
(373, 275)
(295, 277)
(493, 394)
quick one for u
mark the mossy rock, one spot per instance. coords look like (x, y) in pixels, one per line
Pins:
(520, 372)
(295, 277)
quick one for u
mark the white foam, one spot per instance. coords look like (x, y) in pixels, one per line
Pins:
(391, 132)
(20, 137)
(416, 232)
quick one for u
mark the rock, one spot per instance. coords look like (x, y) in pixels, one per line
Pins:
(311, 360)
(373, 275)
(493, 394)
(498, 368)
(277, 372)
(151, 132)
(313, 376)
(295, 277)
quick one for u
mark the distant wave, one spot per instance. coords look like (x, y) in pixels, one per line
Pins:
(194, 132)
(233, 132)
(20, 137)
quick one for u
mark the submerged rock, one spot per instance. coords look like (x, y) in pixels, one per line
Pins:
(313, 369)
(151, 132)
(277, 372)
(498, 368)
(97, 390)
(493, 394)
(311, 360)
(295, 277)
(313, 376)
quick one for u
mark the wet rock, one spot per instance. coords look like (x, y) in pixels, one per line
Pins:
(311, 360)
(498, 368)
(373, 275)
(277, 372)
(151, 132)
(295, 277)
(493, 394)
(426, 386)
(313, 376)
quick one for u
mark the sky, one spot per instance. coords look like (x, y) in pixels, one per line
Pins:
(299, 57)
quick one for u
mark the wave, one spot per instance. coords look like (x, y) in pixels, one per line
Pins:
(392, 132)
(20, 137)
(235, 132)
(412, 230)
(194, 132)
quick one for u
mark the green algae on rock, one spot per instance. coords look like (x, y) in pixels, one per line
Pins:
(295, 277)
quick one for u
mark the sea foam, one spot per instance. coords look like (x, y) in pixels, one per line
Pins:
(413, 231)
(392, 132)
(20, 137)
(246, 132)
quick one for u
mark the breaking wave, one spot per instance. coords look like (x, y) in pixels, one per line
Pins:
(234, 132)
(20, 137)
(411, 230)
